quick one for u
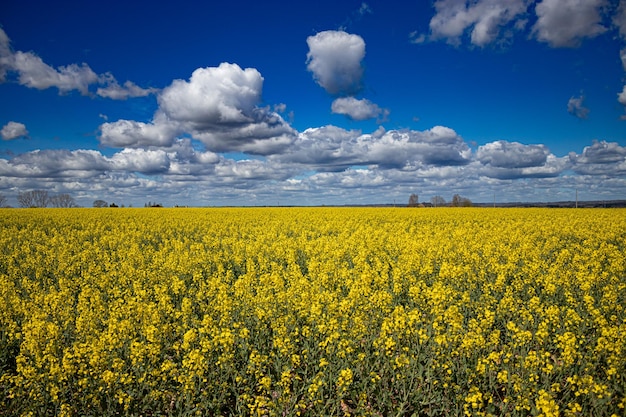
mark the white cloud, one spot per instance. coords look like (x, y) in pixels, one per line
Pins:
(217, 106)
(358, 109)
(487, 18)
(565, 23)
(575, 107)
(249, 169)
(129, 133)
(13, 130)
(33, 72)
(180, 158)
(53, 163)
(503, 154)
(601, 158)
(334, 58)
(602, 152)
(141, 160)
(331, 148)
(267, 134)
(115, 91)
(213, 96)
(504, 160)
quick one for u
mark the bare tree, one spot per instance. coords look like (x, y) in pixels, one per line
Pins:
(63, 200)
(438, 201)
(25, 199)
(3, 200)
(35, 198)
(41, 198)
(100, 203)
(413, 200)
(458, 201)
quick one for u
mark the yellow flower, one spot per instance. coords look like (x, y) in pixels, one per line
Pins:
(546, 405)
(345, 379)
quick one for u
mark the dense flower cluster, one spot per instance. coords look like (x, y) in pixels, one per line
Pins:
(313, 311)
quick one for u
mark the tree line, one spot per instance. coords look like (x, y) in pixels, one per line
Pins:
(41, 198)
(439, 201)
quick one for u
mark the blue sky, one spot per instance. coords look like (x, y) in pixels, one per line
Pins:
(264, 103)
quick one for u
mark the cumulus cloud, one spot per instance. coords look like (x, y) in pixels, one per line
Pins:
(249, 169)
(334, 58)
(565, 23)
(503, 154)
(179, 158)
(575, 107)
(486, 18)
(53, 163)
(216, 95)
(357, 109)
(141, 160)
(218, 106)
(13, 130)
(33, 72)
(505, 160)
(267, 134)
(132, 134)
(333, 149)
(601, 158)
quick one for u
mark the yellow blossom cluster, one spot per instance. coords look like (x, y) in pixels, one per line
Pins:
(313, 311)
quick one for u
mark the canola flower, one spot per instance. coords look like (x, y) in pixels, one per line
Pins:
(313, 311)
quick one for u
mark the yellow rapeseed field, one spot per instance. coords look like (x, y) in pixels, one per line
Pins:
(313, 311)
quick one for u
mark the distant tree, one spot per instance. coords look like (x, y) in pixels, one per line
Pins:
(438, 201)
(35, 198)
(100, 203)
(25, 199)
(458, 201)
(413, 200)
(3, 201)
(41, 198)
(113, 205)
(63, 200)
